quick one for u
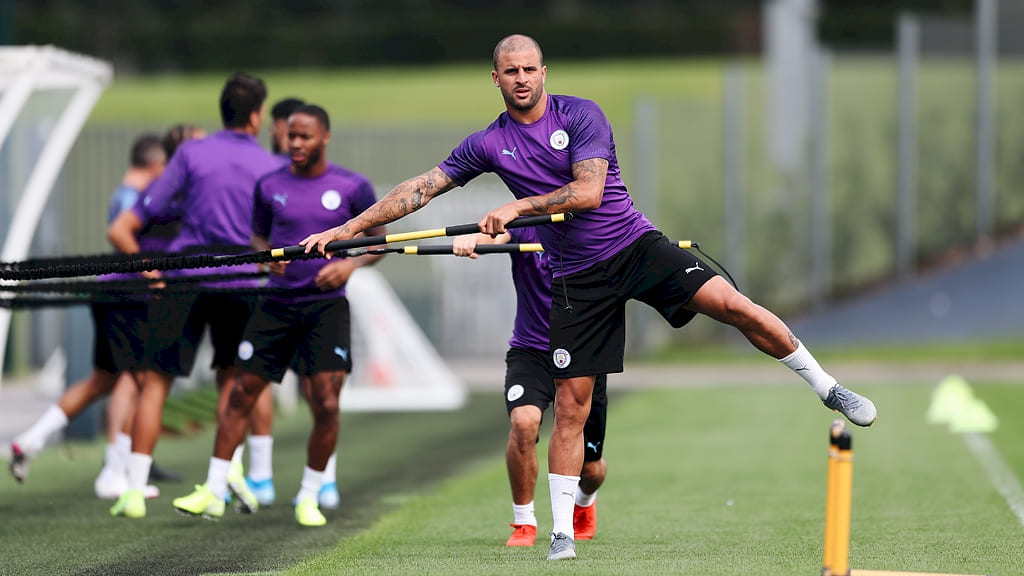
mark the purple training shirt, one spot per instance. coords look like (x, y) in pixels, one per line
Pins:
(535, 159)
(212, 182)
(531, 276)
(289, 208)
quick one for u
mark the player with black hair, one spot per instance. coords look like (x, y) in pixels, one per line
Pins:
(312, 324)
(209, 183)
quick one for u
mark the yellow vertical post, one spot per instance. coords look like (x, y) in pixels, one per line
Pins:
(828, 559)
(843, 505)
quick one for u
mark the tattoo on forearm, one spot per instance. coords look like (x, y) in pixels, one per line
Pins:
(406, 198)
(585, 173)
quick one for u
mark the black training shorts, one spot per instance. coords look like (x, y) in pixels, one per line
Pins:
(588, 308)
(312, 336)
(176, 324)
(528, 382)
(119, 337)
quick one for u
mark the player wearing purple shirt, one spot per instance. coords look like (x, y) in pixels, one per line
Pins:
(530, 389)
(210, 182)
(556, 154)
(307, 317)
(117, 348)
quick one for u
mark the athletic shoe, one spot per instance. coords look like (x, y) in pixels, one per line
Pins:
(855, 407)
(584, 521)
(263, 490)
(157, 474)
(202, 502)
(131, 504)
(522, 535)
(562, 547)
(19, 462)
(329, 497)
(308, 514)
(245, 501)
(111, 485)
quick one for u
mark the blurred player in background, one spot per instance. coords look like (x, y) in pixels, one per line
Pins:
(210, 183)
(279, 114)
(117, 346)
(530, 389)
(310, 323)
(556, 154)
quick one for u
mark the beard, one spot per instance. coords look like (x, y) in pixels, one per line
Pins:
(522, 106)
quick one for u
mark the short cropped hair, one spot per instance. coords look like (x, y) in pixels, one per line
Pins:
(515, 43)
(242, 95)
(285, 108)
(316, 112)
(147, 150)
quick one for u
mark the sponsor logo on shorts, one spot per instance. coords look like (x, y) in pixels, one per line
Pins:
(341, 352)
(592, 446)
(515, 392)
(245, 350)
(562, 358)
(331, 200)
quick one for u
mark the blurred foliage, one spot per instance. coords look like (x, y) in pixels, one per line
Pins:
(150, 35)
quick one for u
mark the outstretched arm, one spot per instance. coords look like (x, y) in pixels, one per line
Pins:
(406, 198)
(582, 194)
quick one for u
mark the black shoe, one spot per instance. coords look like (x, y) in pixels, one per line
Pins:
(157, 474)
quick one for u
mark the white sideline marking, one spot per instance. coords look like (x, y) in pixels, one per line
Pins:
(1001, 475)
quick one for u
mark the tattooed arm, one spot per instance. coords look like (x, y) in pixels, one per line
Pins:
(582, 194)
(406, 198)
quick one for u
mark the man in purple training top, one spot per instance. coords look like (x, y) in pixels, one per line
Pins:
(312, 323)
(530, 389)
(210, 182)
(556, 154)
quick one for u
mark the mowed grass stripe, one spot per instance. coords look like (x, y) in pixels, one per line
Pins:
(54, 525)
(723, 482)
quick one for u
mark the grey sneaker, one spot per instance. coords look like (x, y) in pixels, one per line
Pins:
(562, 547)
(855, 407)
(19, 463)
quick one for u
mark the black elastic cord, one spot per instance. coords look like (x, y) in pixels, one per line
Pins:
(721, 268)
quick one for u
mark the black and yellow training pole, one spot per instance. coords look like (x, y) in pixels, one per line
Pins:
(458, 230)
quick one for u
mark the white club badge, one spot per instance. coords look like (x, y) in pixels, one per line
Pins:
(331, 200)
(245, 350)
(515, 392)
(562, 358)
(559, 139)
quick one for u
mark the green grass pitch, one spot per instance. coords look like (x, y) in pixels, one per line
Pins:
(701, 481)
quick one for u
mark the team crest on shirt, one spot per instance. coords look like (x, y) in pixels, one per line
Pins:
(330, 200)
(562, 358)
(559, 139)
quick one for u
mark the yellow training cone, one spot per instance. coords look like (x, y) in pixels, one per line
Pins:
(952, 395)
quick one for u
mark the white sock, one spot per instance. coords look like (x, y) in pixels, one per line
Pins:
(584, 500)
(261, 455)
(523, 514)
(311, 482)
(801, 362)
(331, 472)
(563, 496)
(138, 470)
(124, 446)
(112, 459)
(239, 452)
(33, 439)
(217, 477)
